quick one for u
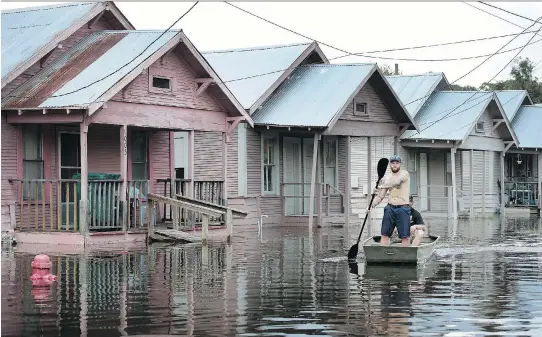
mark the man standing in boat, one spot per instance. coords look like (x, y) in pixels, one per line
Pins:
(397, 211)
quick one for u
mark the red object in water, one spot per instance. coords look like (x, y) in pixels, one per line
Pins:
(41, 277)
(41, 270)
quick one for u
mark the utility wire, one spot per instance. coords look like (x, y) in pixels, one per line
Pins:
(132, 60)
(479, 90)
(507, 11)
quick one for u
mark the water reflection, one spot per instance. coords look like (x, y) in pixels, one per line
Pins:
(484, 280)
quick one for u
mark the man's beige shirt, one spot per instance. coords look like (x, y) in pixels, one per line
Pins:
(398, 184)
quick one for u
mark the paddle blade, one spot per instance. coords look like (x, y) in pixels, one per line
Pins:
(353, 252)
(382, 167)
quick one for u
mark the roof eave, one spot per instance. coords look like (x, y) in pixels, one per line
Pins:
(24, 65)
(119, 15)
(310, 48)
(403, 108)
(506, 120)
(209, 69)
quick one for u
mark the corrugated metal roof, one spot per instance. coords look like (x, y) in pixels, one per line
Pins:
(240, 63)
(313, 95)
(511, 100)
(91, 59)
(457, 123)
(414, 90)
(526, 124)
(26, 31)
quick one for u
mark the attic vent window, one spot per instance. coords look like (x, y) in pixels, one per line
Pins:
(161, 83)
(360, 109)
(479, 126)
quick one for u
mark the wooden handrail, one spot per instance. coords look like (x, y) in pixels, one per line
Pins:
(184, 204)
(236, 212)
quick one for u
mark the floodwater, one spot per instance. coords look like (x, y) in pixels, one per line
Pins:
(484, 280)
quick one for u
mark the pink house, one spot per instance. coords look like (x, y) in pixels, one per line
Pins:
(110, 102)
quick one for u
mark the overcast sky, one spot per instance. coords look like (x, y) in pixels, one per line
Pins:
(355, 27)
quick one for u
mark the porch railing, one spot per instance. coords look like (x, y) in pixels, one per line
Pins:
(522, 193)
(205, 190)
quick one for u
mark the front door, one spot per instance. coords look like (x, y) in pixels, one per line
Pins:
(70, 165)
(292, 174)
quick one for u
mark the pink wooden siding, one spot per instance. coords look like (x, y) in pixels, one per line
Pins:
(159, 147)
(8, 169)
(233, 169)
(66, 44)
(208, 162)
(376, 108)
(104, 149)
(254, 164)
(183, 83)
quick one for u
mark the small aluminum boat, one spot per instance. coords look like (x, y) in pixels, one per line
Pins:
(395, 253)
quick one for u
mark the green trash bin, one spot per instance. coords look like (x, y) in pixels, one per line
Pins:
(98, 209)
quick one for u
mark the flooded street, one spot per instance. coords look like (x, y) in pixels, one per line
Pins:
(484, 280)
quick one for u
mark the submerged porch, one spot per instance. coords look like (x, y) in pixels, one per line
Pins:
(96, 179)
(522, 182)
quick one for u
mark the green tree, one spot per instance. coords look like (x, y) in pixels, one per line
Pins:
(521, 78)
(457, 87)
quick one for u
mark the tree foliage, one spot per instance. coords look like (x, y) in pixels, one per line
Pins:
(387, 70)
(521, 78)
(457, 87)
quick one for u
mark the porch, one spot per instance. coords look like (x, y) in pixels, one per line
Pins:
(96, 179)
(522, 184)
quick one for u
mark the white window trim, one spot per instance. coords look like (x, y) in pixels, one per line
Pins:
(277, 163)
(366, 108)
(416, 154)
(158, 74)
(328, 139)
(477, 129)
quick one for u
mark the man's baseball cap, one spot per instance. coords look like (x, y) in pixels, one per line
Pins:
(395, 158)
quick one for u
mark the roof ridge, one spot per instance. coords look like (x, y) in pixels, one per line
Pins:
(239, 50)
(138, 31)
(418, 75)
(46, 7)
(337, 65)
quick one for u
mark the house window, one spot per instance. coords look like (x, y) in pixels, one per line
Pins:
(412, 167)
(32, 161)
(269, 165)
(140, 165)
(330, 162)
(480, 127)
(360, 109)
(161, 83)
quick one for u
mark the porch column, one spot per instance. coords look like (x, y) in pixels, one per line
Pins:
(539, 180)
(190, 192)
(484, 185)
(225, 166)
(313, 178)
(83, 205)
(471, 184)
(454, 184)
(502, 182)
(347, 188)
(124, 173)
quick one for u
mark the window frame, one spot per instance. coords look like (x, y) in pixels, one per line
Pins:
(413, 173)
(41, 196)
(276, 165)
(146, 162)
(328, 140)
(356, 112)
(479, 130)
(163, 75)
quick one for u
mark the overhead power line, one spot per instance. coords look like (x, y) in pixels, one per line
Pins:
(507, 11)
(448, 115)
(132, 60)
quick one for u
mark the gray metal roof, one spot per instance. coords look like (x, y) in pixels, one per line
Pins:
(234, 64)
(91, 59)
(527, 124)
(511, 100)
(26, 31)
(313, 95)
(414, 90)
(438, 120)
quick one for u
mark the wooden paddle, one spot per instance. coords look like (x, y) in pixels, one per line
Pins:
(381, 170)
